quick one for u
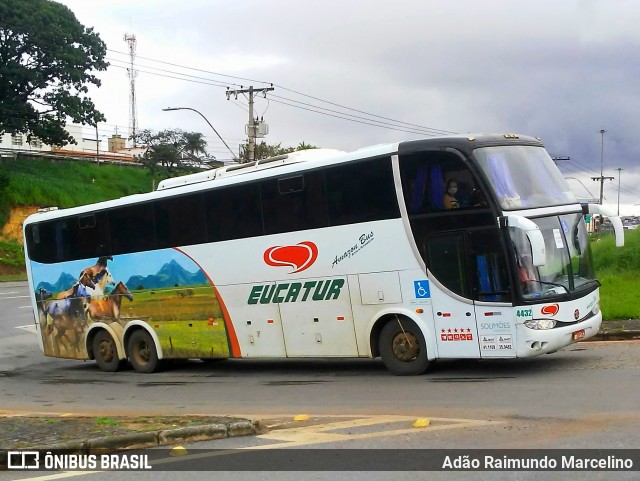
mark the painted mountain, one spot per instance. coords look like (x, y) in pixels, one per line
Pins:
(169, 275)
(64, 282)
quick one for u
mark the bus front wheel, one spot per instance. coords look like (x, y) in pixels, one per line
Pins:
(105, 352)
(402, 347)
(142, 352)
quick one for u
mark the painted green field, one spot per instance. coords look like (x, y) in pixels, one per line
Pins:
(188, 321)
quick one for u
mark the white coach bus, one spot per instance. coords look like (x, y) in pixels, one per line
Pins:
(451, 247)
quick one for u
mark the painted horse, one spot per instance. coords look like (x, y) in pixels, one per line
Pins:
(109, 308)
(67, 318)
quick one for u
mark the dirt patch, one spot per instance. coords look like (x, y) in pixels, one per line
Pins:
(17, 215)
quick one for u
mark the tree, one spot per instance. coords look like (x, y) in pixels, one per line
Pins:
(173, 151)
(264, 150)
(47, 60)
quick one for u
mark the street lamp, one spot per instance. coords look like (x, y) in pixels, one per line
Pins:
(207, 121)
(619, 169)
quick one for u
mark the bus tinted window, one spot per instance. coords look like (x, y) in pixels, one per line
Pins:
(294, 203)
(132, 228)
(180, 221)
(69, 238)
(233, 212)
(446, 256)
(361, 192)
(428, 179)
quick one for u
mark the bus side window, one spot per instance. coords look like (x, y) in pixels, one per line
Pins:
(361, 192)
(132, 228)
(446, 256)
(180, 221)
(233, 212)
(488, 266)
(425, 177)
(293, 203)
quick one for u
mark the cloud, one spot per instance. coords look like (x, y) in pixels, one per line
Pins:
(558, 70)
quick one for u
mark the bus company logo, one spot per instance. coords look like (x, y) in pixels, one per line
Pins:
(576, 314)
(550, 310)
(300, 256)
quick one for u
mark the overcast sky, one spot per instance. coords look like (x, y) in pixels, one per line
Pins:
(559, 70)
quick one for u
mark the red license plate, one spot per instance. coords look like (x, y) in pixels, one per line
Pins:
(578, 335)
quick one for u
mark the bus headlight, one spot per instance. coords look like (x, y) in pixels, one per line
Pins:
(540, 324)
(596, 309)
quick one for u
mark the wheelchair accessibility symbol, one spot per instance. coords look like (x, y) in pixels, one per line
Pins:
(422, 289)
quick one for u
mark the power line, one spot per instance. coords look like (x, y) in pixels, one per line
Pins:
(366, 113)
(410, 125)
(419, 129)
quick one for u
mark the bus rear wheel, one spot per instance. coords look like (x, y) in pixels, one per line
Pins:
(105, 352)
(142, 352)
(402, 347)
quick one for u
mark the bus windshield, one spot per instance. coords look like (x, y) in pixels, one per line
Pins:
(569, 266)
(523, 177)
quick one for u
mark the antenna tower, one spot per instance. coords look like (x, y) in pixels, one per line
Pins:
(133, 73)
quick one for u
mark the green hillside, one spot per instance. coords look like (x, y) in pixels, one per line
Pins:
(65, 183)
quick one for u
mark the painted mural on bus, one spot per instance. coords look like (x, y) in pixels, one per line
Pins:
(164, 288)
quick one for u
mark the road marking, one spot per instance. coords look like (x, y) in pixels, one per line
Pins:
(305, 435)
(13, 297)
(29, 327)
(321, 433)
(24, 307)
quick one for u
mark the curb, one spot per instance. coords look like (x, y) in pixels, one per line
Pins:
(624, 335)
(152, 439)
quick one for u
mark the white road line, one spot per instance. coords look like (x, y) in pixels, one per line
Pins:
(13, 297)
(29, 327)
(24, 307)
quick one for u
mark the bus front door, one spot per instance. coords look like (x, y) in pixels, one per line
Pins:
(454, 315)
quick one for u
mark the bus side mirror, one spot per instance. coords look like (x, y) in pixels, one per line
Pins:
(615, 221)
(532, 231)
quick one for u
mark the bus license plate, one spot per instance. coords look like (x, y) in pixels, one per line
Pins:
(578, 335)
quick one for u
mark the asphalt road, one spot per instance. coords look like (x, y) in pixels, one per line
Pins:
(585, 396)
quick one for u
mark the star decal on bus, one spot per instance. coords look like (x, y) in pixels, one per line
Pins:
(300, 256)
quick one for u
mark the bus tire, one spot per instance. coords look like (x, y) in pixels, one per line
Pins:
(105, 352)
(142, 352)
(403, 348)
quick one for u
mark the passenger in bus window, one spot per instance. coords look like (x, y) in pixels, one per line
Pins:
(527, 275)
(449, 200)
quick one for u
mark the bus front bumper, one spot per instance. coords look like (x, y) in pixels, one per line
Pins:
(532, 342)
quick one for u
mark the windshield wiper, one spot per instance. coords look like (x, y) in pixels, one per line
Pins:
(546, 283)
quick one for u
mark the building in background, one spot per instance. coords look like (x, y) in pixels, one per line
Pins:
(86, 146)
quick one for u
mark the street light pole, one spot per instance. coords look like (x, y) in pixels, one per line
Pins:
(207, 121)
(602, 131)
(619, 169)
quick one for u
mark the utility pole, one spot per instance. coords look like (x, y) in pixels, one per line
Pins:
(97, 147)
(601, 178)
(619, 169)
(251, 131)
